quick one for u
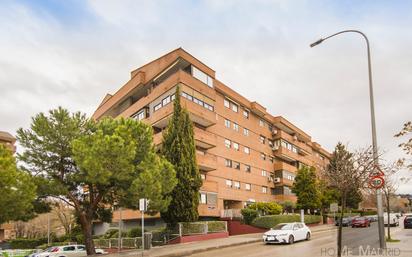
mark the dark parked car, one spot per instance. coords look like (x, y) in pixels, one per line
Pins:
(407, 222)
(361, 222)
(345, 221)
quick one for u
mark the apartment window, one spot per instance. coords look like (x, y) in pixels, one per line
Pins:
(200, 75)
(247, 168)
(207, 106)
(166, 101)
(197, 101)
(263, 156)
(236, 146)
(235, 126)
(234, 107)
(236, 184)
(228, 183)
(262, 139)
(270, 143)
(203, 198)
(245, 132)
(261, 123)
(271, 159)
(157, 106)
(227, 143)
(226, 103)
(203, 176)
(246, 114)
(139, 115)
(228, 163)
(264, 190)
(294, 149)
(211, 198)
(236, 165)
(247, 150)
(264, 173)
(247, 187)
(227, 123)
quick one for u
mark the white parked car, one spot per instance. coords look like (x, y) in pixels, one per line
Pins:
(287, 233)
(393, 219)
(69, 251)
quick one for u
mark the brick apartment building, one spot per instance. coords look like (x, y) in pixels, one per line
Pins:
(244, 153)
(7, 229)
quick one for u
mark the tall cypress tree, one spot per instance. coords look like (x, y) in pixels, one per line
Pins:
(179, 149)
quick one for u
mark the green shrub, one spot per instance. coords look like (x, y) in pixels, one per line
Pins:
(249, 215)
(135, 232)
(216, 226)
(116, 234)
(367, 213)
(109, 233)
(270, 208)
(272, 220)
(27, 243)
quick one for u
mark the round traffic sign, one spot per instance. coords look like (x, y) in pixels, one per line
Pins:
(376, 182)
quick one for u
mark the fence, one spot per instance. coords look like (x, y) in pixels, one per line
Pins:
(125, 242)
(163, 237)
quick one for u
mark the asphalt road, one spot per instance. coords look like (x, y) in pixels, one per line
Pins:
(321, 244)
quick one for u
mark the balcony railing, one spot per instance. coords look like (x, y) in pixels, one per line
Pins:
(231, 213)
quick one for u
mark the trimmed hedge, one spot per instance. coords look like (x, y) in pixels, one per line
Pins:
(272, 220)
(27, 243)
(216, 226)
(189, 228)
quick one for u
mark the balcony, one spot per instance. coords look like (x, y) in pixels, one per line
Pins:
(304, 149)
(209, 186)
(204, 139)
(206, 161)
(289, 156)
(286, 182)
(161, 117)
(284, 166)
(199, 114)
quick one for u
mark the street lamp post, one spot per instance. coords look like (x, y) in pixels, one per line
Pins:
(381, 228)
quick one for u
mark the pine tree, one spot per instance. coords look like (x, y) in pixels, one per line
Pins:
(306, 189)
(179, 149)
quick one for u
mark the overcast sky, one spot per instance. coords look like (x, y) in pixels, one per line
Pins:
(71, 53)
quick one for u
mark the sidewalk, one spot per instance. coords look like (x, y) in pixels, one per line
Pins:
(187, 249)
(405, 245)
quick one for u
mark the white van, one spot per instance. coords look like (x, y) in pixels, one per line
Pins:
(393, 219)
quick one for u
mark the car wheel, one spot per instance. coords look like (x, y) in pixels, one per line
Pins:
(307, 236)
(291, 239)
(353, 226)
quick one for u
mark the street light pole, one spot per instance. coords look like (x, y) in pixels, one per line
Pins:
(381, 228)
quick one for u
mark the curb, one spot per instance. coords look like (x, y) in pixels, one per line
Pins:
(210, 248)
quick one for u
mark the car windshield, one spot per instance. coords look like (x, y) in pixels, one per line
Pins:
(283, 227)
